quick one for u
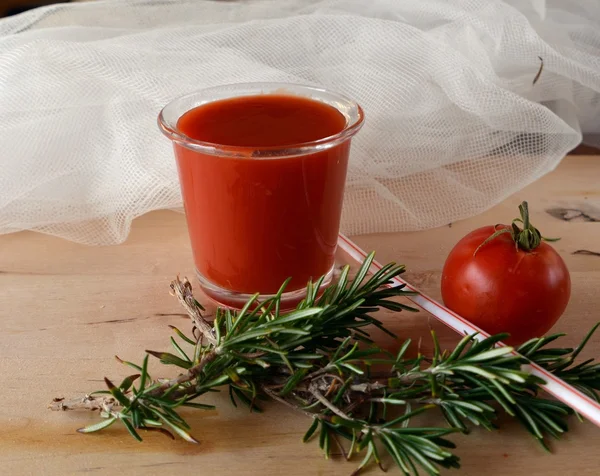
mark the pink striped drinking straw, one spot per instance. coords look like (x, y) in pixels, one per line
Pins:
(554, 386)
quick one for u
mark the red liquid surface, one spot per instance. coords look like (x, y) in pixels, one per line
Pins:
(255, 221)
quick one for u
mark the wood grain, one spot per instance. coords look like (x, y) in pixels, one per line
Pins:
(66, 310)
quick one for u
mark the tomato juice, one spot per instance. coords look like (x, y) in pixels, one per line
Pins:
(263, 193)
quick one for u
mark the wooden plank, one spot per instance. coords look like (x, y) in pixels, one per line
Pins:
(587, 149)
(66, 309)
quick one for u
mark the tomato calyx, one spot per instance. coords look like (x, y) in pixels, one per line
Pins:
(527, 239)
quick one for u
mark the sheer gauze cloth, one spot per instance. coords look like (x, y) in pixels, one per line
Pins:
(454, 122)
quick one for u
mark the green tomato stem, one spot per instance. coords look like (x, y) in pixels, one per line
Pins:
(527, 239)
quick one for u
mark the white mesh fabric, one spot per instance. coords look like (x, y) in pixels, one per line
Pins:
(454, 123)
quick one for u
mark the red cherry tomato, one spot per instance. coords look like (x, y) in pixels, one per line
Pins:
(501, 287)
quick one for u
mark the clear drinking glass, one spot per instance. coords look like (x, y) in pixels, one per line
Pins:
(260, 215)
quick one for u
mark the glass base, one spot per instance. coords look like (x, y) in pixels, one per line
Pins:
(234, 300)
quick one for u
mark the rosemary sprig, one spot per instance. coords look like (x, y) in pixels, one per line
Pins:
(319, 360)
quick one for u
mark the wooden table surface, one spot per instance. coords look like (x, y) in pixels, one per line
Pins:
(66, 310)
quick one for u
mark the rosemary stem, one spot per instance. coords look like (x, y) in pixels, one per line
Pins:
(288, 404)
(326, 403)
(190, 375)
(183, 291)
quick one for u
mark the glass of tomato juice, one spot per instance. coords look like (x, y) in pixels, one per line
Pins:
(262, 168)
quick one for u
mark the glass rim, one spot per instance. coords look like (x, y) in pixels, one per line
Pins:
(168, 126)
